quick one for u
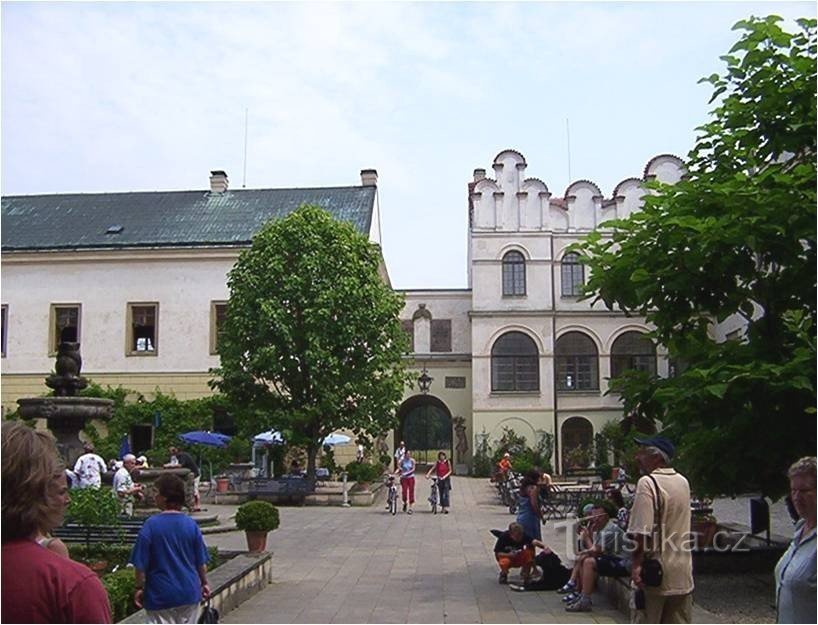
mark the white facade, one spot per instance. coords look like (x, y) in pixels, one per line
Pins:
(512, 213)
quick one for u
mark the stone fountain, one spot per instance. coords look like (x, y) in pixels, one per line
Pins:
(66, 413)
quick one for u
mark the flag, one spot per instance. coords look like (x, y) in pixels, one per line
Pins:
(124, 447)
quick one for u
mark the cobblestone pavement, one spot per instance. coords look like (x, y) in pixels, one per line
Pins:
(362, 565)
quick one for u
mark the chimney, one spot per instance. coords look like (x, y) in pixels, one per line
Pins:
(369, 177)
(479, 174)
(218, 181)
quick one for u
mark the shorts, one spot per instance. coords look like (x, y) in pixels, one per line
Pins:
(611, 566)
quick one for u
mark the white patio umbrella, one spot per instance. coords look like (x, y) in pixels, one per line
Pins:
(336, 439)
(270, 437)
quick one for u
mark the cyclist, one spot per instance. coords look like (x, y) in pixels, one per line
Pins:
(406, 470)
(443, 469)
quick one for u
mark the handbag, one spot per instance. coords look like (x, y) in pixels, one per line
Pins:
(209, 614)
(651, 567)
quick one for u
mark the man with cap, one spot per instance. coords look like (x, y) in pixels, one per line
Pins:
(664, 490)
(89, 468)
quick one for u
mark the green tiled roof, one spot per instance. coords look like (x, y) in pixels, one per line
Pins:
(166, 218)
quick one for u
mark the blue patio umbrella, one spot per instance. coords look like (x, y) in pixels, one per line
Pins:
(211, 439)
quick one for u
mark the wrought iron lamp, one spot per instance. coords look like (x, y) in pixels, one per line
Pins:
(424, 381)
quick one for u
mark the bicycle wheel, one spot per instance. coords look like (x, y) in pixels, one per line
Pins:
(393, 504)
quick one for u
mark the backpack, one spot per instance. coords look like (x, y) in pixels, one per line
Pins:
(554, 574)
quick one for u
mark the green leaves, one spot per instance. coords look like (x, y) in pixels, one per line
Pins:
(733, 240)
(312, 341)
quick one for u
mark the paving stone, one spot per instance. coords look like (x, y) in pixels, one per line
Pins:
(362, 565)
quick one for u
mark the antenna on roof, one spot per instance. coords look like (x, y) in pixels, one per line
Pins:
(568, 147)
(244, 178)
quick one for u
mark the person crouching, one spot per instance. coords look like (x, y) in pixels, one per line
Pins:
(515, 549)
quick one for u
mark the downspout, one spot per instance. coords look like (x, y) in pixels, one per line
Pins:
(557, 459)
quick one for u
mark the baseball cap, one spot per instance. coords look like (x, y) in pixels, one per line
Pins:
(660, 442)
(506, 455)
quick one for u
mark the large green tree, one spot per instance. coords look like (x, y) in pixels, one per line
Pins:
(312, 342)
(734, 239)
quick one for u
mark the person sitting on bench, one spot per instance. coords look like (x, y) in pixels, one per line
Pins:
(604, 554)
(515, 548)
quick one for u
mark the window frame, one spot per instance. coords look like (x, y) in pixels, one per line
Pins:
(631, 359)
(214, 325)
(129, 330)
(575, 360)
(515, 360)
(408, 326)
(53, 338)
(516, 270)
(440, 323)
(573, 267)
(4, 329)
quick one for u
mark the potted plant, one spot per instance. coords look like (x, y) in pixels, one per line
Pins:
(257, 519)
(363, 473)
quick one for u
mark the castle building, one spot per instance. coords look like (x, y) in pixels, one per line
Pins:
(143, 276)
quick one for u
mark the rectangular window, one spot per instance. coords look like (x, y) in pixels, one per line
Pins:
(441, 340)
(218, 311)
(143, 329)
(4, 311)
(409, 327)
(64, 326)
(572, 279)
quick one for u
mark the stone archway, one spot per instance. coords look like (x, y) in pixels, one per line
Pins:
(577, 437)
(425, 427)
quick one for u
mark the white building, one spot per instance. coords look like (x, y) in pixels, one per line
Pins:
(140, 280)
(518, 349)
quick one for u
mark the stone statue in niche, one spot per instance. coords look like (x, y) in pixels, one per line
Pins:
(460, 433)
(67, 381)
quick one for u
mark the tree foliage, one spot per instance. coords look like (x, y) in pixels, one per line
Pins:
(735, 239)
(312, 341)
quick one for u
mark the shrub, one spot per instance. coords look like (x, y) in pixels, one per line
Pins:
(257, 516)
(93, 506)
(120, 586)
(363, 472)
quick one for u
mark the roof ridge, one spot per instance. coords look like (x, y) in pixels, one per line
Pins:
(85, 193)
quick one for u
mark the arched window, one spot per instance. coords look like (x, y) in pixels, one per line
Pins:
(573, 275)
(513, 274)
(577, 363)
(633, 350)
(515, 363)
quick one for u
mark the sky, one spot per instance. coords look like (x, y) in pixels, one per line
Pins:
(105, 97)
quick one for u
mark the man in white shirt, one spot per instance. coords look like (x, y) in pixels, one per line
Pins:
(400, 452)
(89, 468)
(672, 600)
(124, 487)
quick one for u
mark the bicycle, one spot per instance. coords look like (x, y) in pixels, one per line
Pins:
(433, 496)
(391, 495)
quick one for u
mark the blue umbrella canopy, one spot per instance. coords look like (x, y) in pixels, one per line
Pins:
(211, 439)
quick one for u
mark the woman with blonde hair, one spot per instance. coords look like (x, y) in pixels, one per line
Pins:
(40, 586)
(795, 597)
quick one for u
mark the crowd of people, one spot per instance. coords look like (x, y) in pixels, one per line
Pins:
(42, 584)
(649, 542)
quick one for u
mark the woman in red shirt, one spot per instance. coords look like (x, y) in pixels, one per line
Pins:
(443, 469)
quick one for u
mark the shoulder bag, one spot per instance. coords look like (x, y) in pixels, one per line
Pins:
(652, 567)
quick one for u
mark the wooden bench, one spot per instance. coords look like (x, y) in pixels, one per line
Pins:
(280, 490)
(125, 533)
